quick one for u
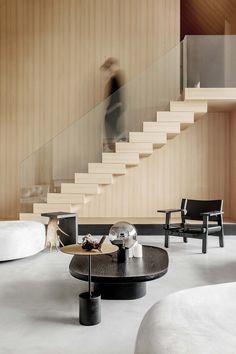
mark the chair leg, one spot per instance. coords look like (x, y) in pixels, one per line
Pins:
(221, 239)
(185, 239)
(204, 244)
(221, 233)
(166, 239)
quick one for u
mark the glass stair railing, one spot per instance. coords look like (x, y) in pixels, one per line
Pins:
(69, 152)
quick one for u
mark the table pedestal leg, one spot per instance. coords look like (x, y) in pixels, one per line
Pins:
(89, 275)
(121, 291)
(89, 304)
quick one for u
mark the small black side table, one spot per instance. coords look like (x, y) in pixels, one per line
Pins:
(68, 223)
(89, 302)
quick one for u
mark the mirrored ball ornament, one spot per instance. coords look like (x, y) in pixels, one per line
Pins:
(123, 233)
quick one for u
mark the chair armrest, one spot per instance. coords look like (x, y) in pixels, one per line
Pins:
(209, 214)
(169, 211)
(212, 213)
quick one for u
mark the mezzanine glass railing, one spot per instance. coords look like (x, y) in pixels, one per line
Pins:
(209, 61)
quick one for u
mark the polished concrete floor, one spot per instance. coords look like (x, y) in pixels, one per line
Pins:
(39, 300)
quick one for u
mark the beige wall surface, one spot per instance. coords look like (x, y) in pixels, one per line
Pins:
(50, 53)
(233, 165)
(195, 165)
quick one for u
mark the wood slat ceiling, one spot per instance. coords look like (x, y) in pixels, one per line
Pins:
(205, 16)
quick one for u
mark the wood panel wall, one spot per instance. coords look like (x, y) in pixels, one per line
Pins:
(233, 165)
(50, 53)
(232, 23)
(195, 164)
(207, 16)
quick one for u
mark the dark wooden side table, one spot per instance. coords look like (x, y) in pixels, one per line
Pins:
(68, 223)
(122, 281)
(89, 302)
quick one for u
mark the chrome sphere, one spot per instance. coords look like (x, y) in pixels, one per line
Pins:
(123, 232)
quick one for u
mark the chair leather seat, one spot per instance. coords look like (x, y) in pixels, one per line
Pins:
(193, 229)
(202, 230)
(214, 229)
(174, 227)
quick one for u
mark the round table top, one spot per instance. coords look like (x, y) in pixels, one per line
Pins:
(105, 269)
(77, 249)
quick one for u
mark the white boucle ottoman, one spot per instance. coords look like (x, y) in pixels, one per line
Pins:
(194, 321)
(19, 239)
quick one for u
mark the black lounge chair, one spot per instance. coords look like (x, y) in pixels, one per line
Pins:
(203, 210)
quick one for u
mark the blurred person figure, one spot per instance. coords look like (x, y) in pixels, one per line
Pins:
(113, 124)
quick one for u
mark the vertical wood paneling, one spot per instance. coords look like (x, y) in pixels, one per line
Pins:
(50, 53)
(207, 17)
(232, 184)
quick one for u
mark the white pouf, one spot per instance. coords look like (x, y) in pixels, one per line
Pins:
(195, 321)
(19, 239)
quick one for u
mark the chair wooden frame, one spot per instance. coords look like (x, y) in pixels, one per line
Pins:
(205, 211)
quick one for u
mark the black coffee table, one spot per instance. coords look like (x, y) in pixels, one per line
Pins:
(122, 281)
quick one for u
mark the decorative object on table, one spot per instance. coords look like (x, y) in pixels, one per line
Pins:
(124, 235)
(138, 250)
(89, 302)
(131, 250)
(89, 242)
(68, 222)
(52, 237)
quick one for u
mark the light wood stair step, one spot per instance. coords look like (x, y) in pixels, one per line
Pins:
(170, 128)
(39, 208)
(158, 139)
(61, 198)
(210, 93)
(87, 188)
(184, 118)
(94, 178)
(113, 168)
(219, 99)
(127, 158)
(198, 107)
(143, 149)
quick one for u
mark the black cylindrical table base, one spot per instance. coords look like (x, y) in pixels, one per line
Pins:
(121, 291)
(89, 309)
(123, 255)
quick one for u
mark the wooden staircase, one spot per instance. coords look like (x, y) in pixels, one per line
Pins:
(73, 196)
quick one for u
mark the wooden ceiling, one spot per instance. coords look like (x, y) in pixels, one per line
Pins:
(205, 16)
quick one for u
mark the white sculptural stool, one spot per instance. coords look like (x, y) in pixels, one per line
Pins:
(21, 239)
(200, 320)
